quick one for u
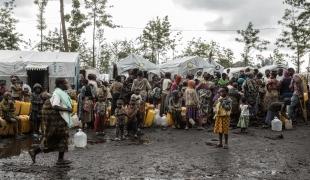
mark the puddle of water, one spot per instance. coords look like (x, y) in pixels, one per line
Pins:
(12, 147)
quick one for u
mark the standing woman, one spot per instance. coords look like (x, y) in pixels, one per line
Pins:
(116, 90)
(56, 116)
(87, 96)
(141, 83)
(166, 84)
(272, 94)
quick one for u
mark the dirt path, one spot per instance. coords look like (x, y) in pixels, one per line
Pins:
(176, 154)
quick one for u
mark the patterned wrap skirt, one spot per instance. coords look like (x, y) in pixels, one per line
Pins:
(221, 125)
(192, 112)
(56, 131)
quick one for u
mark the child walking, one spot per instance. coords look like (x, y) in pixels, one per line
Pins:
(222, 112)
(100, 114)
(120, 114)
(244, 118)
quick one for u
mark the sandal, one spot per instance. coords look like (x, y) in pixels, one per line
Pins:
(63, 162)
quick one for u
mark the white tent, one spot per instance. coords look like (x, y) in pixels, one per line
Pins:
(190, 64)
(271, 67)
(134, 61)
(235, 70)
(39, 67)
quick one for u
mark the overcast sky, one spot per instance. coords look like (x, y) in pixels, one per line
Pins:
(191, 16)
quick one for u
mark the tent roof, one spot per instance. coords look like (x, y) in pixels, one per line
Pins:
(7, 56)
(134, 61)
(271, 67)
(181, 65)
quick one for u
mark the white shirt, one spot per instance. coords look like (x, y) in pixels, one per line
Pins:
(244, 110)
(280, 78)
(166, 84)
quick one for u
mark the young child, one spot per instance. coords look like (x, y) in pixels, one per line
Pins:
(175, 108)
(140, 105)
(26, 94)
(244, 118)
(36, 108)
(120, 114)
(156, 94)
(222, 112)
(100, 110)
(132, 125)
(192, 103)
(7, 110)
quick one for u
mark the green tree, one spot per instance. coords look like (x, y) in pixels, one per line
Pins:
(296, 33)
(9, 38)
(104, 59)
(41, 20)
(198, 47)
(278, 57)
(78, 23)
(85, 53)
(264, 61)
(209, 50)
(155, 38)
(100, 18)
(251, 41)
(174, 42)
(225, 57)
(121, 49)
(53, 41)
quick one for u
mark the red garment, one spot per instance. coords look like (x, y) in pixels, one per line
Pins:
(99, 123)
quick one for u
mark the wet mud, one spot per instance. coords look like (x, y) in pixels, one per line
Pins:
(170, 154)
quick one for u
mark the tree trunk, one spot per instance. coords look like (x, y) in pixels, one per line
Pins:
(41, 19)
(94, 38)
(63, 24)
(298, 61)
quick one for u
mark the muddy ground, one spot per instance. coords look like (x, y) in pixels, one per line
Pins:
(170, 154)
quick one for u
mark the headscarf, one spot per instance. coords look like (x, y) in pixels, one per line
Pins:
(178, 79)
(191, 84)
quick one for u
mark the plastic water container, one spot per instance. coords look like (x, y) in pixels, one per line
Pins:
(276, 124)
(80, 139)
(164, 122)
(157, 118)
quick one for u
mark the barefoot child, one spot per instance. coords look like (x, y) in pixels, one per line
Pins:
(100, 114)
(222, 116)
(132, 125)
(120, 114)
(36, 108)
(244, 118)
(192, 102)
(175, 108)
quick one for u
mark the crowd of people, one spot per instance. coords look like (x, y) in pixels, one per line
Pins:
(216, 100)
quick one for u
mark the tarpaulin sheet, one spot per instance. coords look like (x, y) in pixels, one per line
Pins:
(190, 64)
(134, 61)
